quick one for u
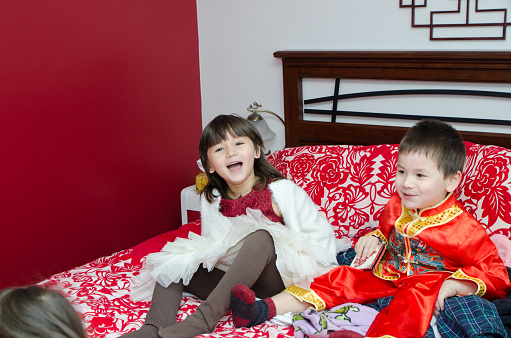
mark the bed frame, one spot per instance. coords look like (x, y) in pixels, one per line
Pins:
(484, 67)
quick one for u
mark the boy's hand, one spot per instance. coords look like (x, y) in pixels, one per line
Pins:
(366, 245)
(451, 288)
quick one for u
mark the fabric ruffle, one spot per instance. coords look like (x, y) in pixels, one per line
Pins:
(299, 260)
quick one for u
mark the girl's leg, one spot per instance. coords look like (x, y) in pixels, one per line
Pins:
(164, 305)
(270, 281)
(166, 301)
(162, 311)
(269, 284)
(204, 282)
(251, 264)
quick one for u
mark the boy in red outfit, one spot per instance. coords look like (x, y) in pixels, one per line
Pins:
(435, 249)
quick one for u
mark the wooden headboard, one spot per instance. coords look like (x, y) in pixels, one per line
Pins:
(483, 67)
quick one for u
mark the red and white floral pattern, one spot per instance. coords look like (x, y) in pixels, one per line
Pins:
(486, 187)
(350, 184)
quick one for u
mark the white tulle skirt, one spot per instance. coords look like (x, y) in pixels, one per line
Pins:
(299, 259)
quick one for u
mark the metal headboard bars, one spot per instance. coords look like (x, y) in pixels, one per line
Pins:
(337, 98)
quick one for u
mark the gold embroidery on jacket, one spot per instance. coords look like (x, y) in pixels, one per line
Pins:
(308, 296)
(409, 226)
(481, 287)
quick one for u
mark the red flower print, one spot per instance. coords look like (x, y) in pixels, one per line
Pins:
(301, 166)
(102, 325)
(86, 290)
(346, 207)
(492, 172)
(315, 190)
(82, 278)
(106, 278)
(363, 232)
(329, 172)
(387, 190)
(361, 170)
(283, 167)
(387, 170)
(505, 232)
(377, 214)
(280, 161)
(488, 186)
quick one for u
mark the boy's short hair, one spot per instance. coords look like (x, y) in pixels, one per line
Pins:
(438, 141)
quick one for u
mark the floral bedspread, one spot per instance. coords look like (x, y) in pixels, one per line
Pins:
(99, 291)
(350, 184)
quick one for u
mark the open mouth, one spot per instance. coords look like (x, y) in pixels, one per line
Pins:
(234, 166)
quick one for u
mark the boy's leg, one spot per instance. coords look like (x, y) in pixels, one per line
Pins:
(340, 285)
(285, 302)
(255, 255)
(410, 311)
(346, 284)
(247, 312)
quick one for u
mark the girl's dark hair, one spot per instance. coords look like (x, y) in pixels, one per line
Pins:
(217, 131)
(438, 141)
(36, 311)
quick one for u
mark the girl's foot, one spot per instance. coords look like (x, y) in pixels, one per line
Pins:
(189, 327)
(146, 331)
(246, 312)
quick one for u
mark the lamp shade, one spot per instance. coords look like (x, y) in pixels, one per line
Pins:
(263, 129)
(258, 121)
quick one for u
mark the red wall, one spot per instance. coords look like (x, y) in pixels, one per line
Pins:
(99, 125)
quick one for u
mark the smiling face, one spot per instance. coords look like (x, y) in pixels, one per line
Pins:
(419, 182)
(233, 160)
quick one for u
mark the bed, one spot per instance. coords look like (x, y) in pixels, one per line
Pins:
(317, 124)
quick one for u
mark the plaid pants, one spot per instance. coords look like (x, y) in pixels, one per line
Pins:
(469, 316)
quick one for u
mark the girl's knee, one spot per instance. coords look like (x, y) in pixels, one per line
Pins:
(260, 244)
(260, 238)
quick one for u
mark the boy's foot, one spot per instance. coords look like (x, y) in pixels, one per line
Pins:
(246, 312)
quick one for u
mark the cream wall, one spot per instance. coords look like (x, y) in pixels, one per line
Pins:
(237, 39)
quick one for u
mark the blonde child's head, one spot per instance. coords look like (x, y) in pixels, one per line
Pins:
(36, 311)
(219, 130)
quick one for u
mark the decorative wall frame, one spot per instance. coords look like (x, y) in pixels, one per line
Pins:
(458, 20)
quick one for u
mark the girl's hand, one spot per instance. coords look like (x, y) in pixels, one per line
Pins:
(451, 288)
(366, 245)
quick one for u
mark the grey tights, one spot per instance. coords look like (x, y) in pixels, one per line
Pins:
(254, 266)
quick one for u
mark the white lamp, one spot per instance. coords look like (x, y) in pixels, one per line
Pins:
(258, 121)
